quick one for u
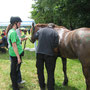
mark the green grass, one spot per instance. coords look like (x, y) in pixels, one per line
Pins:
(29, 73)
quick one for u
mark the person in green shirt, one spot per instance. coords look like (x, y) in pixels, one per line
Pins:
(15, 49)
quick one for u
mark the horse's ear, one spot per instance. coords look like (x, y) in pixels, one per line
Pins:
(33, 27)
(33, 24)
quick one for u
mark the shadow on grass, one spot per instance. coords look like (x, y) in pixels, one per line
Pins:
(59, 87)
(24, 87)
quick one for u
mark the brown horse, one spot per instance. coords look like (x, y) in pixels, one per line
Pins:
(74, 45)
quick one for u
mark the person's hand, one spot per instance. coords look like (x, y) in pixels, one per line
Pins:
(19, 60)
(26, 37)
(56, 50)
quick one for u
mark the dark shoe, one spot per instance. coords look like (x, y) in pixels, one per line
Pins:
(43, 88)
(16, 88)
(20, 86)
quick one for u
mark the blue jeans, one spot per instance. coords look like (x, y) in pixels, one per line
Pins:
(19, 77)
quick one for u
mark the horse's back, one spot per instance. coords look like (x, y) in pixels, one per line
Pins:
(75, 43)
(82, 36)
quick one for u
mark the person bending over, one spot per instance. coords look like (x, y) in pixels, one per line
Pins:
(47, 42)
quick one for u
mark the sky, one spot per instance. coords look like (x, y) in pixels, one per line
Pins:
(19, 8)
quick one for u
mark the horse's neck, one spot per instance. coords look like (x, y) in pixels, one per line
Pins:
(62, 32)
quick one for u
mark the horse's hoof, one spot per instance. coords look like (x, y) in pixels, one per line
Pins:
(65, 83)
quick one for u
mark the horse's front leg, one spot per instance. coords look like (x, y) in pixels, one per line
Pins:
(64, 62)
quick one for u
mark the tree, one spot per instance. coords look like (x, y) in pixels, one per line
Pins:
(69, 13)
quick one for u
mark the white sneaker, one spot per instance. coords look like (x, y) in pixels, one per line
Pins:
(23, 81)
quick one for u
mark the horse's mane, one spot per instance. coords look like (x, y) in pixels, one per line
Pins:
(41, 25)
(45, 25)
(60, 27)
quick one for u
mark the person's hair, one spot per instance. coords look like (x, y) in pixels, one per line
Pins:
(8, 28)
(52, 25)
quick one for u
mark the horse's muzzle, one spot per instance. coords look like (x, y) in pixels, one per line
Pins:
(31, 41)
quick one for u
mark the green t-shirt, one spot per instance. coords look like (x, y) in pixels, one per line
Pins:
(13, 37)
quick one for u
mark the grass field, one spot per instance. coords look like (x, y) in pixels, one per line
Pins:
(29, 73)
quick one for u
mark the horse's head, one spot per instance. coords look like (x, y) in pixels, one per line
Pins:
(34, 29)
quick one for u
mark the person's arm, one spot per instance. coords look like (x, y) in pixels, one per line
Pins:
(22, 39)
(56, 42)
(16, 52)
(1, 41)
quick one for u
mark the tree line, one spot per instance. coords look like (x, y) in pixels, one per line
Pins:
(69, 13)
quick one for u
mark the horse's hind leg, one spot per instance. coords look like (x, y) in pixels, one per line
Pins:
(64, 62)
(86, 72)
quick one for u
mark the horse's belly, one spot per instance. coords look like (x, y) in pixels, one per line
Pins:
(68, 55)
(67, 52)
